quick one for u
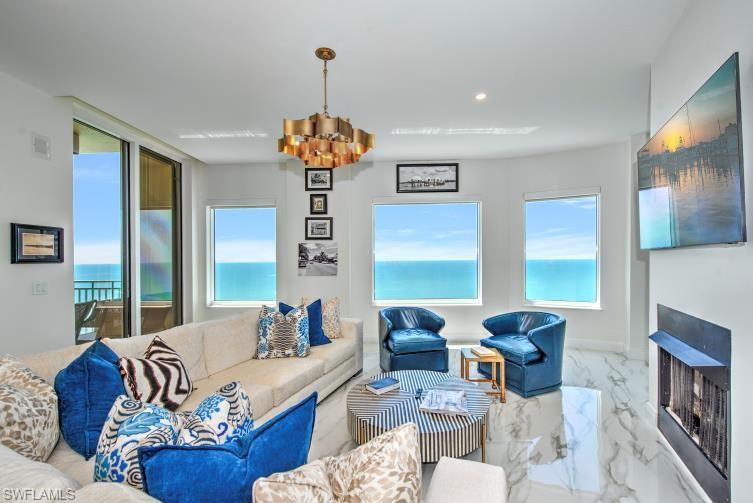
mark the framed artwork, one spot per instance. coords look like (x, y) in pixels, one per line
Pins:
(439, 177)
(318, 228)
(34, 244)
(318, 179)
(317, 259)
(318, 204)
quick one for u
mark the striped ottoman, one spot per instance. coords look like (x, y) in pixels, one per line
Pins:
(370, 415)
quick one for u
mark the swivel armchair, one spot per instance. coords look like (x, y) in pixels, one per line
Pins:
(409, 340)
(533, 346)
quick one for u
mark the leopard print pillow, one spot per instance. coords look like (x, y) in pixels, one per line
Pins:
(28, 411)
(386, 469)
(330, 317)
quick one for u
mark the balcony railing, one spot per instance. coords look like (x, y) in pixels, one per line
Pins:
(100, 290)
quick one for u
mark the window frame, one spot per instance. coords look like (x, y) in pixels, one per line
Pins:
(478, 301)
(210, 241)
(563, 194)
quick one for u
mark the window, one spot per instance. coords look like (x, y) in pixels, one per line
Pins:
(562, 250)
(100, 235)
(243, 250)
(427, 252)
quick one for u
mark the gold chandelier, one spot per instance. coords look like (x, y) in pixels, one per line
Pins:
(321, 140)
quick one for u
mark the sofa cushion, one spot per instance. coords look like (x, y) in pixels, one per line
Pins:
(285, 376)
(19, 472)
(28, 411)
(86, 389)
(514, 347)
(100, 492)
(388, 468)
(335, 353)
(72, 463)
(229, 341)
(188, 342)
(261, 396)
(283, 335)
(227, 472)
(314, 311)
(414, 340)
(160, 377)
(456, 480)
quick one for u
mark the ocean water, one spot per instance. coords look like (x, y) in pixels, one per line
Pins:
(556, 280)
(245, 281)
(431, 279)
(561, 280)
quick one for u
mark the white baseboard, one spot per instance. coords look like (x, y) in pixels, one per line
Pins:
(637, 354)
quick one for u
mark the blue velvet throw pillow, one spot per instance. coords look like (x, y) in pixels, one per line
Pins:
(314, 310)
(86, 390)
(211, 473)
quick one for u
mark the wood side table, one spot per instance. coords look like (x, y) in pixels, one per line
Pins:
(498, 366)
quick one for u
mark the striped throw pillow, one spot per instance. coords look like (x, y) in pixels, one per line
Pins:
(283, 335)
(160, 377)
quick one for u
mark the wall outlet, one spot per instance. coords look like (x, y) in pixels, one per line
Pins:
(39, 288)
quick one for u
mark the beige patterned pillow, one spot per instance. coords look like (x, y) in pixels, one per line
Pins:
(28, 411)
(330, 317)
(386, 469)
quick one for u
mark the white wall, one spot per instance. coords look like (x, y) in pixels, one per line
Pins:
(34, 191)
(498, 184)
(713, 282)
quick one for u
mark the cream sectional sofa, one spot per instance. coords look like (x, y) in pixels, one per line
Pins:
(219, 352)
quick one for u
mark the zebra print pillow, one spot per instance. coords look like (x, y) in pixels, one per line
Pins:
(160, 377)
(283, 335)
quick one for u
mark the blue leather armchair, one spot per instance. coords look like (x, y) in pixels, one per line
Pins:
(533, 346)
(409, 339)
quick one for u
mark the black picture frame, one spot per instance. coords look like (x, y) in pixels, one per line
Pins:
(311, 237)
(312, 172)
(454, 187)
(312, 204)
(22, 243)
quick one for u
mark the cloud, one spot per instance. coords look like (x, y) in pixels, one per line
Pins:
(99, 252)
(568, 247)
(245, 250)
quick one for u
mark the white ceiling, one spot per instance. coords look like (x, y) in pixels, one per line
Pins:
(578, 70)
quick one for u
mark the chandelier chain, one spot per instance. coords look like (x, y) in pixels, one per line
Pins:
(325, 89)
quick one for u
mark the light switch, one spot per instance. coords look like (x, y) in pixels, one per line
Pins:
(39, 288)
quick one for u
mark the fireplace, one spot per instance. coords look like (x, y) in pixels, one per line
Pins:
(693, 408)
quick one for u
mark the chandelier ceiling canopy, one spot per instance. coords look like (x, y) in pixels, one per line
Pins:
(321, 140)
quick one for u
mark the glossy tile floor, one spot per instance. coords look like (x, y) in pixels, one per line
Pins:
(587, 442)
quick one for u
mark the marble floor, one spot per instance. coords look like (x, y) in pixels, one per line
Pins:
(589, 441)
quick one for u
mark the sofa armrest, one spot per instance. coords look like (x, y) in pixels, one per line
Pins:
(385, 327)
(352, 327)
(462, 480)
(111, 492)
(549, 338)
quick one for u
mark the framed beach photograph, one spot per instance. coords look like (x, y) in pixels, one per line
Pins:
(435, 177)
(318, 204)
(318, 227)
(317, 259)
(32, 244)
(318, 179)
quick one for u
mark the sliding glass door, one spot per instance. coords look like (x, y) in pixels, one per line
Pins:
(100, 234)
(159, 220)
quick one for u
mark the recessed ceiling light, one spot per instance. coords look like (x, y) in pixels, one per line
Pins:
(204, 135)
(464, 131)
(480, 96)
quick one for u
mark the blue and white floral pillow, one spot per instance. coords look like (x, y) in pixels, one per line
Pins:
(220, 418)
(283, 335)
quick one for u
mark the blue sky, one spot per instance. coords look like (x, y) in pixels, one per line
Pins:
(414, 232)
(561, 229)
(244, 235)
(96, 208)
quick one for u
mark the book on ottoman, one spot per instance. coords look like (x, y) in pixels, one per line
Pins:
(383, 385)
